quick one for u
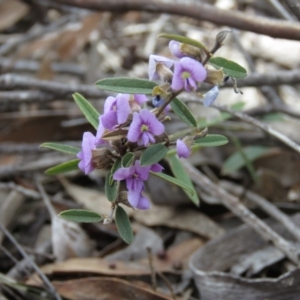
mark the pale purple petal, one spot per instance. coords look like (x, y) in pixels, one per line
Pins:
(140, 98)
(134, 131)
(153, 60)
(142, 172)
(99, 134)
(144, 140)
(182, 149)
(86, 155)
(155, 126)
(194, 67)
(211, 96)
(156, 168)
(174, 47)
(134, 197)
(177, 81)
(109, 119)
(123, 107)
(143, 203)
(109, 103)
(123, 173)
(134, 184)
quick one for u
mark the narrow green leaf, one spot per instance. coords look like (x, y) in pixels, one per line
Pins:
(111, 187)
(61, 148)
(212, 140)
(123, 225)
(153, 154)
(80, 215)
(229, 67)
(174, 181)
(180, 173)
(183, 112)
(126, 85)
(67, 166)
(127, 159)
(236, 161)
(87, 109)
(185, 40)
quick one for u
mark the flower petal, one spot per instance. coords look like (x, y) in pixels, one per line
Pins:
(109, 119)
(182, 149)
(108, 104)
(123, 173)
(134, 197)
(123, 108)
(174, 47)
(156, 168)
(86, 155)
(194, 67)
(142, 172)
(153, 60)
(211, 96)
(155, 126)
(177, 81)
(143, 203)
(140, 98)
(134, 131)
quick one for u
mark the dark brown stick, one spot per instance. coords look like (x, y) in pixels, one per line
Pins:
(200, 11)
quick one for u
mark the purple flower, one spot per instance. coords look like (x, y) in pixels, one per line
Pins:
(144, 127)
(174, 47)
(211, 96)
(182, 149)
(187, 72)
(86, 153)
(135, 177)
(116, 110)
(157, 59)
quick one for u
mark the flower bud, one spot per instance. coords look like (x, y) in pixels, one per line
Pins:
(181, 50)
(214, 77)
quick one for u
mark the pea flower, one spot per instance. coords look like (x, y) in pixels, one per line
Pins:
(211, 96)
(183, 151)
(86, 153)
(135, 176)
(99, 134)
(144, 127)
(116, 110)
(187, 72)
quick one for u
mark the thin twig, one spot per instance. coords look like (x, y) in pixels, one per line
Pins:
(153, 274)
(281, 10)
(168, 284)
(198, 11)
(34, 265)
(27, 192)
(234, 205)
(268, 207)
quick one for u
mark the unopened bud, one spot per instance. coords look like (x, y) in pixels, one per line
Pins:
(221, 36)
(191, 51)
(214, 77)
(164, 73)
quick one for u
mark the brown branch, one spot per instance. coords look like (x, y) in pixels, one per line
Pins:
(234, 205)
(199, 11)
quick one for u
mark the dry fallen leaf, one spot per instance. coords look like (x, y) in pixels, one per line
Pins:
(105, 289)
(11, 12)
(179, 218)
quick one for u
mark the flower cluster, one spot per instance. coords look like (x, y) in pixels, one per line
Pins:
(126, 126)
(141, 127)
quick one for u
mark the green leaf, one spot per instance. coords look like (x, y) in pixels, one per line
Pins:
(80, 215)
(183, 112)
(117, 165)
(61, 148)
(185, 40)
(87, 109)
(67, 166)
(127, 159)
(123, 225)
(229, 67)
(111, 187)
(212, 140)
(180, 173)
(153, 154)
(236, 161)
(126, 85)
(174, 181)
